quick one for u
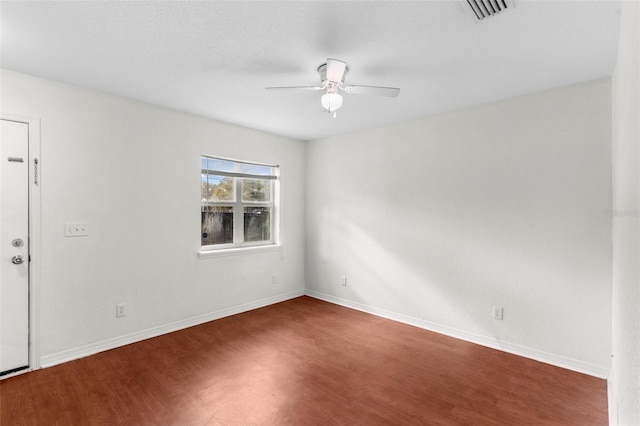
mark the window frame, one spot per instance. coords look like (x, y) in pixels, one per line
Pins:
(238, 206)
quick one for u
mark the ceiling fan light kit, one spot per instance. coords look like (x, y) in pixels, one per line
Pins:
(331, 102)
(332, 76)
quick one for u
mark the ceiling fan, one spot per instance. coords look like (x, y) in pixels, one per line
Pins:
(332, 76)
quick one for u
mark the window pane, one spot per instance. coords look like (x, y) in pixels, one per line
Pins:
(204, 188)
(257, 223)
(217, 188)
(220, 165)
(217, 225)
(256, 190)
(256, 169)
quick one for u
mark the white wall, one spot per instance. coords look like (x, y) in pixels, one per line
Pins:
(436, 220)
(624, 386)
(132, 171)
(433, 221)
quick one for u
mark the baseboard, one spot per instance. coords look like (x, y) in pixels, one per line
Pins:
(527, 352)
(94, 348)
(524, 351)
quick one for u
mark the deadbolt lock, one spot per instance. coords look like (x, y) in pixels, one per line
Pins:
(17, 242)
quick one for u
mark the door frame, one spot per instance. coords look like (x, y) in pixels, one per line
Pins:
(35, 237)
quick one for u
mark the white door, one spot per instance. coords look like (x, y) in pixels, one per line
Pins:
(14, 246)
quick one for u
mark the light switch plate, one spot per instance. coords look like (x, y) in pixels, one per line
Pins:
(76, 229)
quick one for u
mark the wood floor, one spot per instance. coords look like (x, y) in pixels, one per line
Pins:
(303, 362)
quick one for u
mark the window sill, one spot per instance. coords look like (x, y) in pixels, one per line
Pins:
(206, 254)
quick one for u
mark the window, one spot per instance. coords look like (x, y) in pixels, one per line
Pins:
(238, 203)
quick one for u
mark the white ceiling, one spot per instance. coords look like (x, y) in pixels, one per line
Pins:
(215, 58)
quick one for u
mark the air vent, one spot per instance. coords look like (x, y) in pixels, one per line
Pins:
(486, 8)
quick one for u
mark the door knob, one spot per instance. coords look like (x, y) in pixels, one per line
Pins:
(17, 260)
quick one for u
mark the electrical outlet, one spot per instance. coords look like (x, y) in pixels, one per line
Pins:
(343, 281)
(274, 279)
(498, 313)
(120, 310)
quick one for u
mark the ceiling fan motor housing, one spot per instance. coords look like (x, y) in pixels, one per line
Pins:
(331, 86)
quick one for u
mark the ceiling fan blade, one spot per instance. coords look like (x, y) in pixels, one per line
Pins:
(335, 70)
(295, 88)
(391, 92)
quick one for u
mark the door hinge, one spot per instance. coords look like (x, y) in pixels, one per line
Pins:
(35, 171)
